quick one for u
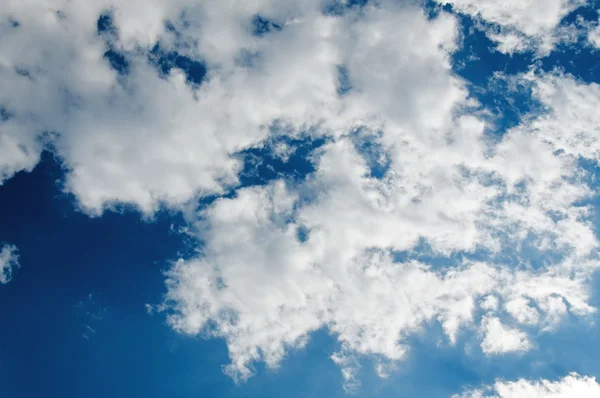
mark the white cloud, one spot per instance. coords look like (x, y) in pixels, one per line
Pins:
(9, 260)
(508, 42)
(572, 385)
(350, 368)
(593, 33)
(148, 141)
(522, 24)
(264, 291)
(521, 311)
(594, 36)
(489, 303)
(500, 339)
(141, 139)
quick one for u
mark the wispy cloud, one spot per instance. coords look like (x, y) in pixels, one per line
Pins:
(9, 262)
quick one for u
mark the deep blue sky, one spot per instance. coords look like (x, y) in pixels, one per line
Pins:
(74, 322)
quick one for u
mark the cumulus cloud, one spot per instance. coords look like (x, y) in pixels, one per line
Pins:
(572, 385)
(501, 339)
(9, 260)
(264, 290)
(506, 221)
(131, 135)
(519, 25)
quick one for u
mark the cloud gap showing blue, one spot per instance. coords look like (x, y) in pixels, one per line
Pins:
(339, 7)
(367, 144)
(195, 71)
(262, 165)
(478, 62)
(105, 28)
(344, 85)
(4, 114)
(261, 26)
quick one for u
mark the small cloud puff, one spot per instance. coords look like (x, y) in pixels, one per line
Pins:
(9, 261)
(500, 339)
(570, 386)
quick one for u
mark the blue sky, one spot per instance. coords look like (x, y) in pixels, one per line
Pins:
(371, 199)
(72, 262)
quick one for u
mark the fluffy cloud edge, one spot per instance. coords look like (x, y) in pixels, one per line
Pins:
(347, 252)
(521, 25)
(572, 385)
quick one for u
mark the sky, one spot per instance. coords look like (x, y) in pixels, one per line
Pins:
(325, 198)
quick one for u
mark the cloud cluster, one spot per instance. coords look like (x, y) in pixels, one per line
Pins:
(281, 261)
(520, 25)
(593, 34)
(9, 260)
(572, 385)
(438, 222)
(127, 134)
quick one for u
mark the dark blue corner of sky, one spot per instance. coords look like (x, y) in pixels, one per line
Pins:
(74, 322)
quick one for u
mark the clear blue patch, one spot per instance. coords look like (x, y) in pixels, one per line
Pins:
(105, 28)
(22, 72)
(105, 24)
(579, 59)
(13, 23)
(339, 7)
(367, 144)
(356, 3)
(477, 61)
(587, 12)
(262, 165)
(581, 62)
(507, 104)
(344, 85)
(164, 61)
(433, 9)
(592, 169)
(4, 114)
(261, 26)
(302, 233)
(433, 368)
(117, 61)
